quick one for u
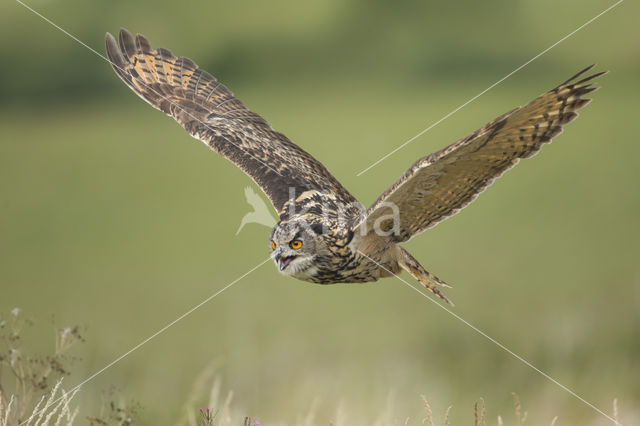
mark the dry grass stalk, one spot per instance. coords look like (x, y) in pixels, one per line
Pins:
(427, 408)
(479, 419)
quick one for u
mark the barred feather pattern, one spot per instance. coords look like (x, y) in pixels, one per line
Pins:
(442, 183)
(209, 111)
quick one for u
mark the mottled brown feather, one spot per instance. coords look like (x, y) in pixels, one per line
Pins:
(210, 113)
(442, 183)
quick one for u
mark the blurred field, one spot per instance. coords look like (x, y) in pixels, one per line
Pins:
(112, 217)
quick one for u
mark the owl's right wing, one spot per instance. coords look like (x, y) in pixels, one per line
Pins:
(209, 112)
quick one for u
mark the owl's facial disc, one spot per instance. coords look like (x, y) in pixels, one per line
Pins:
(290, 261)
(292, 248)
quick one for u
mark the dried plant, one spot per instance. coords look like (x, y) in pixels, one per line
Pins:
(30, 385)
(427, 408)
(115, 410)
(31, 392)
(520, 417)
(479, 418)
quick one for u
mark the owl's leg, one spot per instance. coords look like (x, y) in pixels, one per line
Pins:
(426, 278)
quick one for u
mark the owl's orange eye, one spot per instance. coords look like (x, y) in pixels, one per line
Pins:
(295, 244)
(273, 245)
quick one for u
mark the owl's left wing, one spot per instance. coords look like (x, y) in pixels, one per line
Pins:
(441, 184)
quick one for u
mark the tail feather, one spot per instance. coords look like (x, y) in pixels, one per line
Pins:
(426, 278)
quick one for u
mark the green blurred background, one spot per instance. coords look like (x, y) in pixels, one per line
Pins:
(111, 216)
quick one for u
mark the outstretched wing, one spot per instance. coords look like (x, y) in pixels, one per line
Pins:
(209, 112)
(442, 183)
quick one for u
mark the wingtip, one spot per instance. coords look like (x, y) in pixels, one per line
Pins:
(112, 48)
(115, 56)
(598, 74)
(124, 31)
(446, 300)
(127, 42)
(584, 80)
(591, 77)
(143, 44)
(110, 40)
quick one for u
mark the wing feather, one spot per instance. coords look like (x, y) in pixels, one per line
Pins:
(442, 183)
(209, 112)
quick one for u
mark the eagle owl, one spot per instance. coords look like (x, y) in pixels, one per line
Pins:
(325, 235)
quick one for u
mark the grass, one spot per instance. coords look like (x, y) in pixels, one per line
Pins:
(31, 383)
(31, 392)
(54, 409)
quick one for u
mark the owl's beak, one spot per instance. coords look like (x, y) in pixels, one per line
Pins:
(280, 260)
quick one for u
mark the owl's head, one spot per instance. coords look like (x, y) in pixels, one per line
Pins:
(294, 246)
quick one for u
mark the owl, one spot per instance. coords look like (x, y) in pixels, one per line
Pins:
(324, 234)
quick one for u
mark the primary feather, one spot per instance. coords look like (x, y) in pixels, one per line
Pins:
(441, 184)
(209, 112)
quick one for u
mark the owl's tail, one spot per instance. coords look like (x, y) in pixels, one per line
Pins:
(426, 278)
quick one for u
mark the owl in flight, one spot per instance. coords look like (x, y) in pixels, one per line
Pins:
(325, 235)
